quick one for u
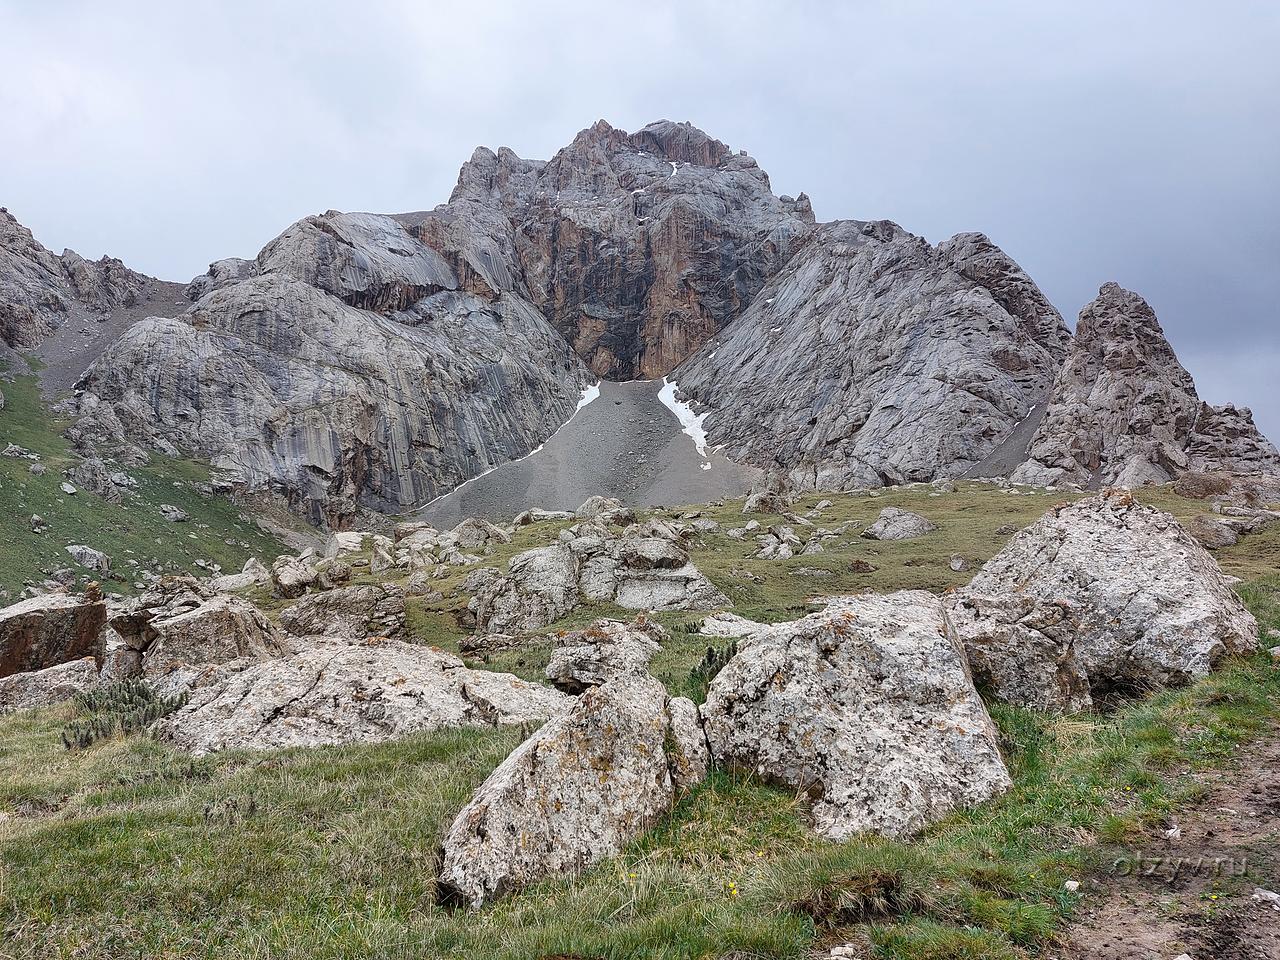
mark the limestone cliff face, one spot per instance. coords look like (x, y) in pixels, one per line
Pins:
(1125, 412)
(288, 389)
(637, 247)
(38, 290)
(874, 358)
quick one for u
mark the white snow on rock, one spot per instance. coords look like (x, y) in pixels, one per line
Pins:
(690, 422)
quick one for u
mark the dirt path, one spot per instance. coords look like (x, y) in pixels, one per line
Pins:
(1190, 890)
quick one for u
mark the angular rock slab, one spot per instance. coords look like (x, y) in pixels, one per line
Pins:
(1154, 608)
(333, 692)
(1023, 648)
(48, 630)
(350, 613)
(574, 793)
(869, 707)
(604, 650)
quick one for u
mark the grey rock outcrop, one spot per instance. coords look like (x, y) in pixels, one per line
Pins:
(51, 629)
(895, 524)
(331, 691)
(180, 634)
(868, 706)
(874, 358)
(350, 613)
(1124, 411)
(574, 793)
(1141, 605)
(289, 390)
(1023, 648)
(637, 247)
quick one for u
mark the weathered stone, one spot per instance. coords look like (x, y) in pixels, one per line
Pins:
(473, 534)
(51, 629)
(1212, 533)
(540, 587)
(285, 386)
(331, 691)
(350, 613)
(90, 558)
(867, 706)
(574, 793)
(1153, 607)
(688, 755)
(43, 688)
(874, 358)
(290, 577)
(174, 514)
(587, 563)
(606, 649)
(1023, 649)
(895, 524)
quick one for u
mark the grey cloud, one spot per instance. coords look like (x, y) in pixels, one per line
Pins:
(1093, 141)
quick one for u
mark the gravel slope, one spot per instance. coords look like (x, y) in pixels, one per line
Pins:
(624, 444)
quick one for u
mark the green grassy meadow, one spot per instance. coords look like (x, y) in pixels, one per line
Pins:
(131, 849)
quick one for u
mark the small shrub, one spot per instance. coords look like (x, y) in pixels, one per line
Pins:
(117, 708)
(711, 663)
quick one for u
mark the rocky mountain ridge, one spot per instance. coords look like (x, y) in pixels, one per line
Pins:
(39, 290)
(373, 362)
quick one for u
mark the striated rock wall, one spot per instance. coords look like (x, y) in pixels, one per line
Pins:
(289, 389)
(874, 358)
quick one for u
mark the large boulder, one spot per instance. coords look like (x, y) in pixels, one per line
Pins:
(604, 650)
(1023, 648)
(1153, 608)
(349, 613)
(896, 524)
(574, 793)
(540, 587)
(290, 577)
(42, 688)
(868, 707)
(48, 630)
(331, 691)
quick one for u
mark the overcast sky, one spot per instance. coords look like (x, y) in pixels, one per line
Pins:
(1136, 142)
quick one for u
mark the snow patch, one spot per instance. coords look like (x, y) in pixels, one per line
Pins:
(588, 394)
(690, 422)
(707, 465)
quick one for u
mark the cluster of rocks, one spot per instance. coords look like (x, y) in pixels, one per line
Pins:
(644, 566)
(1239, 504)
(589, 781)
(869, 706)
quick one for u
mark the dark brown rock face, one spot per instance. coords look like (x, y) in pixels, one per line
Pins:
(637, 247)
(39, 290)
(48, 630)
